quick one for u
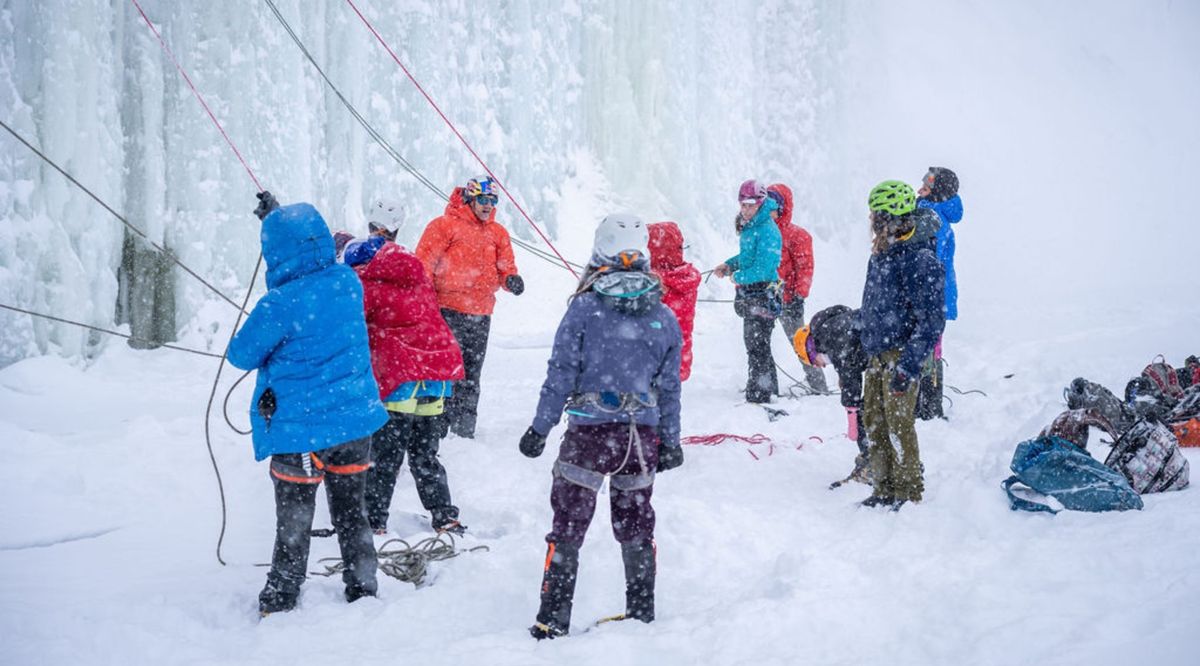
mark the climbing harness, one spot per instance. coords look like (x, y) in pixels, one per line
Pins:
(610, 402)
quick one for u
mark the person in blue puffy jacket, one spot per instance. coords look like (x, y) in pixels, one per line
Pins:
(939, 193)
(901, 320)
(615, 368)
(315, 403)
(758, 300)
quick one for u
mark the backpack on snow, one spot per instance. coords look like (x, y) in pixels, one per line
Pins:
(1164, 377)
(1184, 419)
(1055, 467)
(1148, 456)
(1082, 394)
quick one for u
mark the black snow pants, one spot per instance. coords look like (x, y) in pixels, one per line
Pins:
(418, 436)
(296, 477)
(471, 331)
(761, 382)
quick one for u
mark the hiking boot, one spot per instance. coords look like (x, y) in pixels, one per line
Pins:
(542, 631)
(274, 600)
(878, 500)
(558, 591)
(640, 572)
(453, 527)
(354, 593)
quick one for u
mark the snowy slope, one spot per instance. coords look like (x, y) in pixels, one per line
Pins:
(112, 515)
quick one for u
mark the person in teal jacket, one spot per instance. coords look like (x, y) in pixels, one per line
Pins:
(755, 272)
(315, 403)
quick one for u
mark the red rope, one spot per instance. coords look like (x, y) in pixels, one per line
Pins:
(715, 439)
(460, 136)
(197, 94)
(756, 438)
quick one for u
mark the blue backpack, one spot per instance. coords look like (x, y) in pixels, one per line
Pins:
(1055, 467)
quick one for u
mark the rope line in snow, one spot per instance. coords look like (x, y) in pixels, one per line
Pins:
(461, 138)
(406, 562)
(197, 94)
(167, 253)
(757, 438)
(108, 331)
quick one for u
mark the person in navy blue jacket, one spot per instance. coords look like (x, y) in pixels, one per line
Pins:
(755, 272)
(901, 321)
(315, 403)
(615, 368)
(939, 193)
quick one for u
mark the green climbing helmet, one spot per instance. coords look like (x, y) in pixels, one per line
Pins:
(893, 196)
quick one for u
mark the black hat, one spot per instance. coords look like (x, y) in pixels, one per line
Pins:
(942, 182)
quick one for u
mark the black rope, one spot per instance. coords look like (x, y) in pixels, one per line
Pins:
(383, 143)
(208, 410)
(110, 332)
(167, 253)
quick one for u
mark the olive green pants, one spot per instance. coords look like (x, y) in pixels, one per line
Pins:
(894, 457)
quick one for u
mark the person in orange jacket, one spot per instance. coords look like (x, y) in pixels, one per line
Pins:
(469, 257)
(796, 272)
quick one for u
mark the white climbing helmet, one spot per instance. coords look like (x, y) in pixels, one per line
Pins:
(386, 213)
(617, 233)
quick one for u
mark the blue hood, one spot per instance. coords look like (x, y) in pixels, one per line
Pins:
(295, 242)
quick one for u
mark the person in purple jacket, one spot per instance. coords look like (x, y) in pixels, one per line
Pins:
(615, 369)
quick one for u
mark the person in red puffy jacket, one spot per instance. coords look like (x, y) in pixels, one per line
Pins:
(416, 360)
(680, 281)
(796, 273)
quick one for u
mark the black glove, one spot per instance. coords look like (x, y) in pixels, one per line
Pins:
(266, 204)
(900, 382)
(514, 284)
(532, 443)
(669, 457)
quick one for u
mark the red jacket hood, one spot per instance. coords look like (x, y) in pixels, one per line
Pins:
(459, 208)
(666, 246)
(409, 339)
(395, 265)
(785, 213)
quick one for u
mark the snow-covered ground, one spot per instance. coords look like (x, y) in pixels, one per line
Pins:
(112, 514)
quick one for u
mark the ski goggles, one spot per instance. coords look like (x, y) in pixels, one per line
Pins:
(487, 199)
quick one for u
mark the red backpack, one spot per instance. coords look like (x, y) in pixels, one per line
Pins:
(1164, 377)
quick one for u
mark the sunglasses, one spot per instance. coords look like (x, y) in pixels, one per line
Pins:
(487, 199)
